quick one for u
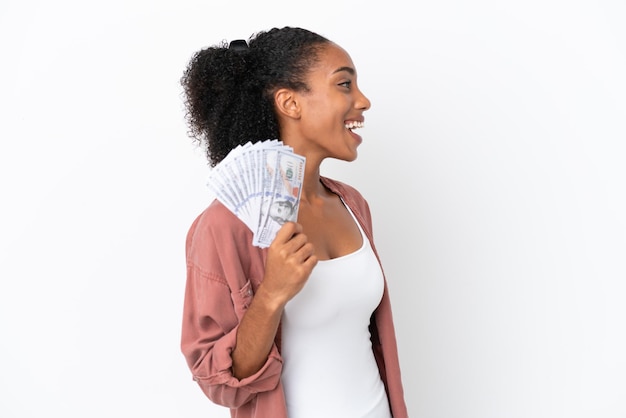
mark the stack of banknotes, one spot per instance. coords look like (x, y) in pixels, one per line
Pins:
(260, 183)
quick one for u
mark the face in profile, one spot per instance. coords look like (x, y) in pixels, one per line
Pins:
(332, 108)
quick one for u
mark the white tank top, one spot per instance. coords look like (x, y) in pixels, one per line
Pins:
(329, 368)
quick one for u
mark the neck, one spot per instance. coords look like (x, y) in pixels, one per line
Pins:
(312, 188)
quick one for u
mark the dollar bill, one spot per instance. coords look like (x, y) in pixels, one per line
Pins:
(260, 183)
(284, 174)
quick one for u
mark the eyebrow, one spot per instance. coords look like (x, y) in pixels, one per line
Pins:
(348, 69)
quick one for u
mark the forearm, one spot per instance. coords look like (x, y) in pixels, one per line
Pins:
(256, 334)
(289, 263)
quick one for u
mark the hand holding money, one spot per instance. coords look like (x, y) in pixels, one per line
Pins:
(291, 258)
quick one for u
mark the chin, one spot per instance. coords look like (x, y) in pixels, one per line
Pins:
(350, 158)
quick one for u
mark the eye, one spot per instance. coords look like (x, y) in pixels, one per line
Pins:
(346, 84)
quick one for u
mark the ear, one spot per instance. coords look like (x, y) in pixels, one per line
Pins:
(286, 103)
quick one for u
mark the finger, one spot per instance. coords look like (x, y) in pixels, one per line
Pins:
(286, 232)
(305, 252)
(296, 242)
(310, 262)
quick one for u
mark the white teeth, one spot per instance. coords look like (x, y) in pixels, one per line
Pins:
(354, 124)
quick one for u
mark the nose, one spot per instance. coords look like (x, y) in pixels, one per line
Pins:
(362, 101)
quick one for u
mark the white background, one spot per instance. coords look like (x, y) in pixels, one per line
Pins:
(493, 160)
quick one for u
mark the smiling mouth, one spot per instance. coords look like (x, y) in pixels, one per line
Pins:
(353, 125)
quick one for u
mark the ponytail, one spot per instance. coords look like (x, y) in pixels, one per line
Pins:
(229, 87)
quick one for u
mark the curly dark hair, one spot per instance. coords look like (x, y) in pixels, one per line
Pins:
(229, 91)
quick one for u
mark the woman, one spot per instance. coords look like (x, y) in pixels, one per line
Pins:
(302, 328)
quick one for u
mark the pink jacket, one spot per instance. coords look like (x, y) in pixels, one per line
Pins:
(223, 273)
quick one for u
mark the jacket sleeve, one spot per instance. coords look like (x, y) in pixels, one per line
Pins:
(213, 307)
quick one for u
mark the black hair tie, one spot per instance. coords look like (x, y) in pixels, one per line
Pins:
(238, 45)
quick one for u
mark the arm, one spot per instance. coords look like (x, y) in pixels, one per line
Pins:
(224, 327)
(289, 263)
